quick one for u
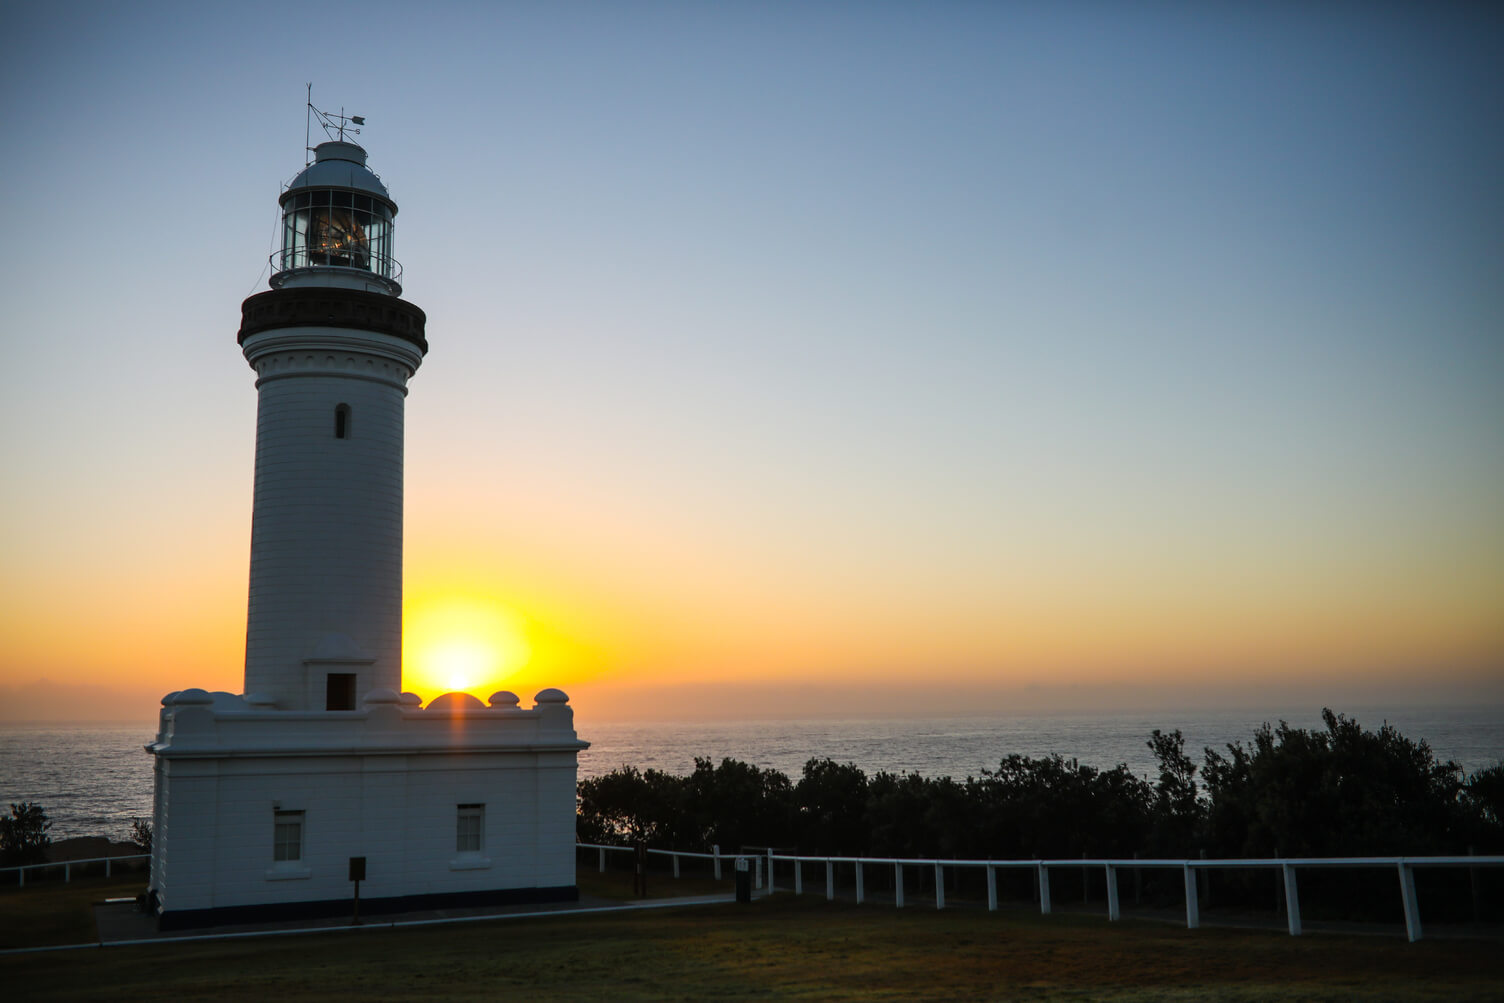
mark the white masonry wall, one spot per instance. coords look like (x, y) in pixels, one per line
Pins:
(326, 530)
(384, 783)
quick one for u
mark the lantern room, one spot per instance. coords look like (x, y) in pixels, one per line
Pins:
(337, 225)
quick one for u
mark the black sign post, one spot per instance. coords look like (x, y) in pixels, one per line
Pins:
(357, 875)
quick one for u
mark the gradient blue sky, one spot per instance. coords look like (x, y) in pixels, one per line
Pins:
(970, 349)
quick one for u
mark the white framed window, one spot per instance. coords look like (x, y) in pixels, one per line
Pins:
(470, 828)
(287, 837)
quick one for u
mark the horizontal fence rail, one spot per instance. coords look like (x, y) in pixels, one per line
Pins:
(1403, 868)
(754, 860)
(68, 865)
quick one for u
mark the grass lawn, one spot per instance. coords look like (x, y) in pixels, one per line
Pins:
(782, 948)
(52, 912)
(617, 885)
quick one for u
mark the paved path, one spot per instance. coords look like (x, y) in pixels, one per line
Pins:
(122, 923)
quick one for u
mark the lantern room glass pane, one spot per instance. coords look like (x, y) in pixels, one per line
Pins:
(337, 237)
(335, 228)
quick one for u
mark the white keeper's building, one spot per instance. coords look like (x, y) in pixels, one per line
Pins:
(268, 802)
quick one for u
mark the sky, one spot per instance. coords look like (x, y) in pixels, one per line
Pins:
(789, 359)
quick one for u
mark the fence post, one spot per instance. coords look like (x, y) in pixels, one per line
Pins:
(67, 873)
(715, 851)
(1279, 895)
(106, 866)
(21, 873)
(861, 889)
(603, 859)
(771, 889)
(798, 876)
(757, 872)
(676, 865)
(1472, 878)
(1292, 901)
(898, 884)
(1412, 904)
(1044, 887)
(1112, 892)
(991, 888)
(1192, 907)
(830, 880)
(939, 885)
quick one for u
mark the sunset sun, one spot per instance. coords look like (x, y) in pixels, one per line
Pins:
(461, 643)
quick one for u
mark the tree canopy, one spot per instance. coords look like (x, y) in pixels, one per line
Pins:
(1337, 791)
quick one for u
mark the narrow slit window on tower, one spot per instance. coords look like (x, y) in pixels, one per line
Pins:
(342, 421)
(339, 691)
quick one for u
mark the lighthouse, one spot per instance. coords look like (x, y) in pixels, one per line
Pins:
(268, 803)
(333, 346)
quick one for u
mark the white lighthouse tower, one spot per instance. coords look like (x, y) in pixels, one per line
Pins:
(268, 803)
(333, 347)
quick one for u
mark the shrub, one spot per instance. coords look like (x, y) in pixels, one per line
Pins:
(141, 835)
(23, 836)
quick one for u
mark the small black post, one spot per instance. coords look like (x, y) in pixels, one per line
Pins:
(357, 875)
(640, 879)
(743, 880)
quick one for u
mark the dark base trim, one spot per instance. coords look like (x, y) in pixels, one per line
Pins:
(273, 912)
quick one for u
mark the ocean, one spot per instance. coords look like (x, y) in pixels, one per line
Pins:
(93, 780)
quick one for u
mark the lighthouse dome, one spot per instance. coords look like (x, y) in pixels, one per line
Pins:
(338, 164)
(337, 225)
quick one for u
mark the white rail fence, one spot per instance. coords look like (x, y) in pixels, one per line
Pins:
(68, 865)
(1403, 868)
(716, 857)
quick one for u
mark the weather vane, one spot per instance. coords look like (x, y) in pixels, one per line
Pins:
(334, 126)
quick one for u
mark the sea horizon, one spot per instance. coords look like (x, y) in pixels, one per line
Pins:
(94, 778)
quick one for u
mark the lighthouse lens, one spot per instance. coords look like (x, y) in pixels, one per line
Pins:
(337, 229)
(337, 237)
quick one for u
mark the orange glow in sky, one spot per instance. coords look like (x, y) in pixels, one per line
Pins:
(1015, 350)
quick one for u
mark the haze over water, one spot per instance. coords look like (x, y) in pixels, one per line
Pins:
(94, 780)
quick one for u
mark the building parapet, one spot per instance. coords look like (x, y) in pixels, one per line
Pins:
(195, 723)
